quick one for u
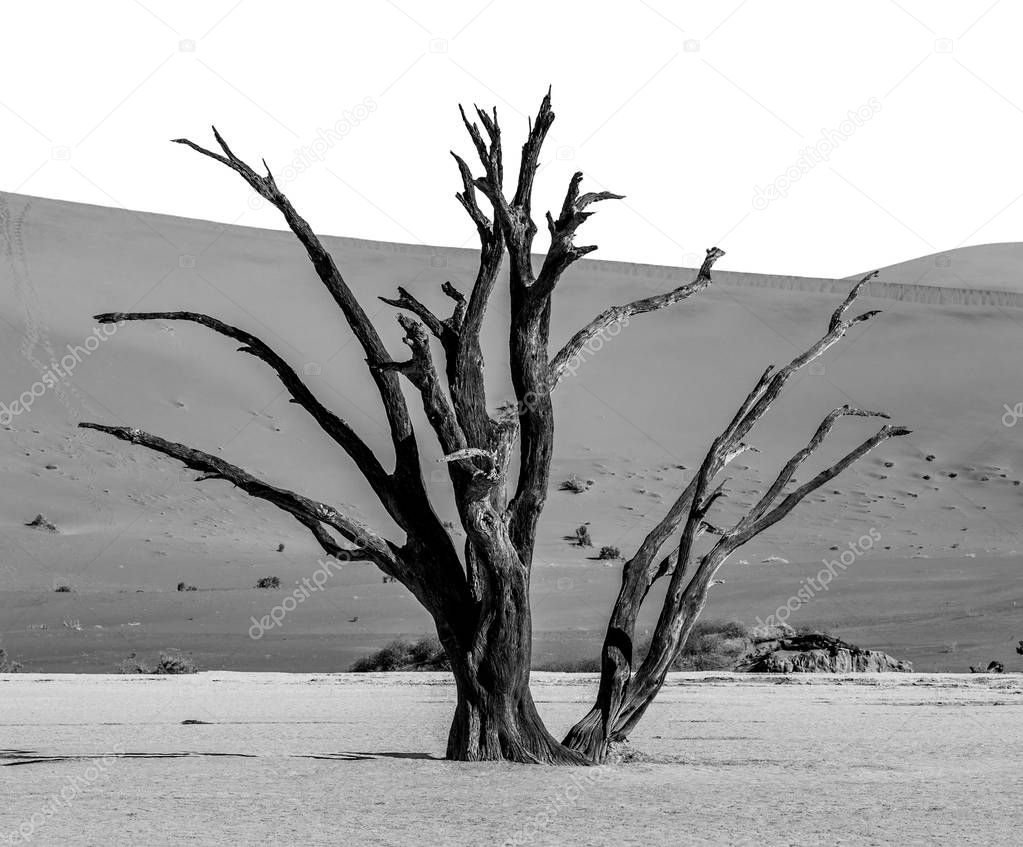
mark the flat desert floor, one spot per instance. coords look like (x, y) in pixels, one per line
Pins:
(328, 759)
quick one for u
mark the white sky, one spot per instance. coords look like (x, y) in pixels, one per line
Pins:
(687, 108)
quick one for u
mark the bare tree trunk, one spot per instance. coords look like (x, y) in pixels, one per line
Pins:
(495, 717)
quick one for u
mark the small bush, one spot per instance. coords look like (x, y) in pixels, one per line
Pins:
(63, 589)
(571, 666)
(711, 646)
(576, 485)
(426, 654)
(169, 663)
(133, 665)
(609, 553)
(581, 538)
(175, 663)
(7, 664)
(268, 582)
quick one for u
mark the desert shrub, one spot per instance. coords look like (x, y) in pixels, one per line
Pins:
(590, 665)
(581, 537)
(63, 589)
(175, 663)
(711, 646)
(575, 485)
(168, 663)
(133, 665)
(7, 664)
(268, 582)
(426, 654)
(609, 553)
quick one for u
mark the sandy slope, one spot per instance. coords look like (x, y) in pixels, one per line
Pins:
(634, 419)
(296, 759)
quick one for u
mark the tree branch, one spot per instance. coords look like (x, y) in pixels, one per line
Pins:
(623, 696)
(369, 545)
(563, 251)
(422, 374)
(402, 434)
(409, 303)
(330, 423)
(465, 365)
(621, 314)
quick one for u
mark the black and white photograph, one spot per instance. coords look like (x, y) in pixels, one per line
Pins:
(511, 423)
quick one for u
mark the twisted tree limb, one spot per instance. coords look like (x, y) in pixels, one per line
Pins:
(329, 422)
(683, 605)
(423, 375)
(402, 434)
(623, 696)
(311, 513)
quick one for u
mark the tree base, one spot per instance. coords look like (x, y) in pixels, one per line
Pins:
(492, 733)
(587, 737)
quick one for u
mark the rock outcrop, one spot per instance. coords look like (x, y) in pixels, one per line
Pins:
(815, 652)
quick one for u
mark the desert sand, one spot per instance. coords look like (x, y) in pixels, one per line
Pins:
(327, 759)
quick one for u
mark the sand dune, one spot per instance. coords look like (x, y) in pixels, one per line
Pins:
(943, 359)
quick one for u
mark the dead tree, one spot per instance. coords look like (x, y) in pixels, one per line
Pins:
(479, 597)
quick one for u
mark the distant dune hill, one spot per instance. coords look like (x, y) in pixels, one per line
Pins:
(986, 271)
(634, 418)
